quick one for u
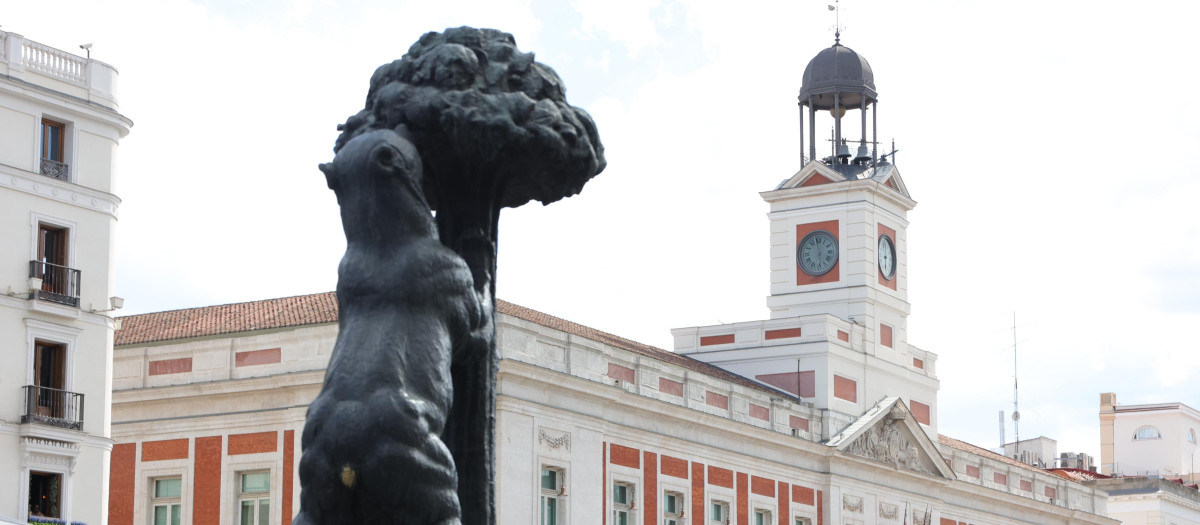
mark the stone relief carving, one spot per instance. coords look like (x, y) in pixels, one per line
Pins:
(852, 503)
(563, 440)
(919, 518)
(889, 511)
(886, 442)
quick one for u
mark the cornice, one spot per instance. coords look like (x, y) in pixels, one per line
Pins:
(80, 106)
(56, 190)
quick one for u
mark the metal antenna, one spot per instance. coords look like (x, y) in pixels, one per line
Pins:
(1016, 408)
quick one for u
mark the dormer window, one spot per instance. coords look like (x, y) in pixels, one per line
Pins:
(1147, 432)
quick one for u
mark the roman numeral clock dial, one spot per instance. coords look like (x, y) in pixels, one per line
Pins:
(817, 253)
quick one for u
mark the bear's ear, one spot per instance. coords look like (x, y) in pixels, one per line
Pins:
(330, 173)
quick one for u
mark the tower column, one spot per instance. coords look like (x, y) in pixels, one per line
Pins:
(812, 129)
(862, 108)
(874, 132)
(837, 124)
(801, 104)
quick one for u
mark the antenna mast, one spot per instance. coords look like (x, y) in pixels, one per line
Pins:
(1016, 407)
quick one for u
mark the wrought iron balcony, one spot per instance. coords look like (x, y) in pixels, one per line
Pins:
(48, 406)
(59, 283)
(55, 169)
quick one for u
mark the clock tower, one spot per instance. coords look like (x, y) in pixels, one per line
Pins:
(837, 335)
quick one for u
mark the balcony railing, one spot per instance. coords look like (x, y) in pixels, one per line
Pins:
(59, 283)
(56, 169)
(48, 406)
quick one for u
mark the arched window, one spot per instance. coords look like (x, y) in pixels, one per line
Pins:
(1147, 432)
(1191, 435)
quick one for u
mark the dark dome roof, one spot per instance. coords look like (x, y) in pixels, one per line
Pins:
(838, 69)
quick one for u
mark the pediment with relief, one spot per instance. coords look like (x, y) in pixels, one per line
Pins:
(888, 433)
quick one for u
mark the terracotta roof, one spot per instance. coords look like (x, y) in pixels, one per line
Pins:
(980, 451)
(322, 308)
(227, 319)
(1076, 474)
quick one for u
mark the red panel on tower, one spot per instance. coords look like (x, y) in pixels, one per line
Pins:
(830, 276)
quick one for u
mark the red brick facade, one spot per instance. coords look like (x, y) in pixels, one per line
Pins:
(121, 483)
(163, 450)
(255, 443)
(206, 487)
(716, 340)
(258, 357)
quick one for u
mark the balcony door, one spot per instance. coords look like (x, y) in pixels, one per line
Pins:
(49, 372)
(52, 254)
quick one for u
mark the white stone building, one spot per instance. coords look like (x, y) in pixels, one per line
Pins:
(59, 130)
(204, 397)
(1156, 439)
(1150, 501)
(821, 414)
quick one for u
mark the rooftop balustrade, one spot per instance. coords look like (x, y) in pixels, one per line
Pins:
(39, 64)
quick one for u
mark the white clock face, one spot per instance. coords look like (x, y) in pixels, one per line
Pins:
(817, 253)
(887, 257)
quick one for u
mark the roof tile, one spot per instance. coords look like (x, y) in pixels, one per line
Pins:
(322, 308)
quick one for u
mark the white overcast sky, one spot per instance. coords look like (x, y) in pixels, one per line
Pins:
(1051, 147)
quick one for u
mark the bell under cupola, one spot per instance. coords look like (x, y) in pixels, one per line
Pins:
(839, 80)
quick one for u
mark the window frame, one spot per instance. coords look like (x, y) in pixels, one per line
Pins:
(61, 145)
(257, 497)
(1138, 434)
(37, 221)
(629, 507)
(764, 513)
(49, 333)
(681, 505)
(62, 489)
(726, 505)
(170, 501)
(558, 494)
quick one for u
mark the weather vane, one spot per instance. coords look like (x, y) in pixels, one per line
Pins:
(837, 21)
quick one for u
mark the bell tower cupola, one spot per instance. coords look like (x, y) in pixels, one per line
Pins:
(838, 80)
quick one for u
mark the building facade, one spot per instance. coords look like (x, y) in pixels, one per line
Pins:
(821, 414)
(1148, 440)
(59, 131)
(209, 404)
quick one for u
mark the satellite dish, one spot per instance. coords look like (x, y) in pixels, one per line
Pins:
(1016, 416)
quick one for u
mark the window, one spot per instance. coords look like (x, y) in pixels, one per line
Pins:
(1191, 435)
(803, 521)
(254, 498)
(762, 517)
(53, 146)
(59, 282)
(623, 503)
(45, 494)
(552, 491)
(672, 508)
(166, 506)
(49, 370)
(719, 512)
(1147, 432)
